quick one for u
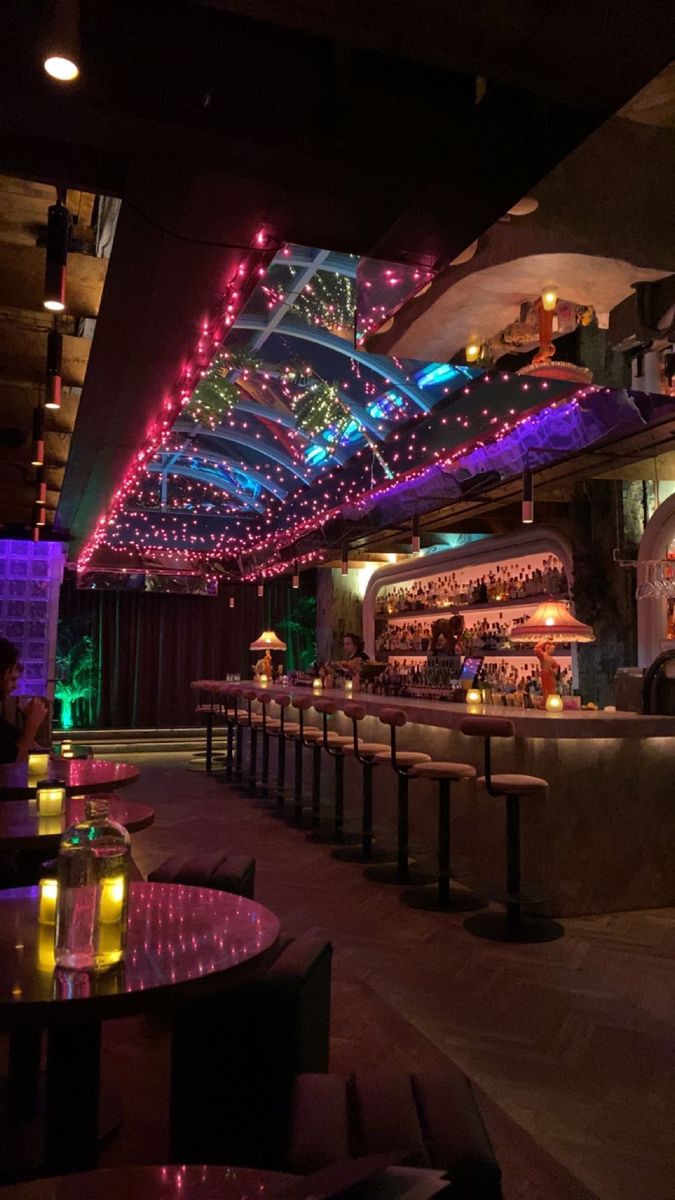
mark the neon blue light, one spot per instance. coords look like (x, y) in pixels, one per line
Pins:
(314, 455)
(385, 405)
(437, 373)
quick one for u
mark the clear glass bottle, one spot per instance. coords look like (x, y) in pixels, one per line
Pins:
(93, 890)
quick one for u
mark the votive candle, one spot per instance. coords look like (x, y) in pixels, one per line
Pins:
(113, 895)
(38, 764)
(51, 798)
(48, 892)
(554, 703)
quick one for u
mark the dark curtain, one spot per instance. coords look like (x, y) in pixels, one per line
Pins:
(149, 646)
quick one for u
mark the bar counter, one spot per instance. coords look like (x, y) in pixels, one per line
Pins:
(601, 838)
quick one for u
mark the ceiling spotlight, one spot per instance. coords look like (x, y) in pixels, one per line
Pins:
(58, 237)
(62, 47)
(38, 437)
(527, 507)
(472, 351)
(549, 299)
(53, 374)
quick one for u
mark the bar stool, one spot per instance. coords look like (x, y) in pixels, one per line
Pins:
(511, 926)
(265, 698)
(365, 753)
(229, 692)
(208, 711)
(300, 815)
(253, 722)
(444, 897)
(402, 762)
(334, 744)
(280, 730)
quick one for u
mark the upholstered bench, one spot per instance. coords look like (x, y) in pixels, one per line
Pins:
(226, 872)
(432, 1116)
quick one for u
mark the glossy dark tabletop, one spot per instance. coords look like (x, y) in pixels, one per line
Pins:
(156, 1183)
(181, 941)
(22, 829)
(79, 775)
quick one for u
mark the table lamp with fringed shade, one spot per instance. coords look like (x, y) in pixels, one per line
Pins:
(552, 621)
(268, 640)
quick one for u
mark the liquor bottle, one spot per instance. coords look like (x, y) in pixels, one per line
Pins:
(92, 891)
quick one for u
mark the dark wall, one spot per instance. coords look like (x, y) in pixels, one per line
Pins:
(148, 647)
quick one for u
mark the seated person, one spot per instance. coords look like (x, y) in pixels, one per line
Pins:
(17, 741)
(354, 654)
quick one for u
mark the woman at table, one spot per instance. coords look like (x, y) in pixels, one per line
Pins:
(16, 741)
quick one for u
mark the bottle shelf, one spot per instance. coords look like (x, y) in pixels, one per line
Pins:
(415, 614)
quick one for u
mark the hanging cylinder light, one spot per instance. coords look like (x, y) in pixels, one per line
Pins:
(39, 517)
(53, 374)
(58, 237)
(61, 50)
(527, 507)
(416, 539)
(295, 582)
(344, 565)
(261, 591)
(41, 490)
(38, 436)
(231, 602)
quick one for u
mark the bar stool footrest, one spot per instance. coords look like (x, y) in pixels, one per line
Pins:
(528, 895)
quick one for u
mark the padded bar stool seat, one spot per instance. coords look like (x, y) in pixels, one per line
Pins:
(403, 763)
(444, 897)
(333, 744)
(514, 925)
(366, 753)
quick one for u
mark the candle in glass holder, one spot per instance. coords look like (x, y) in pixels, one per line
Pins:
(38, 764)
(113, 897)
(473, 696)
(67, 753)
(554, 703)
(66, 748)
(349, 687)
(48, 891)
(317, 684)
(263, 680)
(51, 797)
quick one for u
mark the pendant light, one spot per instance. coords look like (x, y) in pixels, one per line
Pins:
(61, 55)
(41, 490)
(344, 565)
(53, 375)
(38, 436)
(416, 539)
(552, 621)
(527, 507)
(295, 582)
(58, 237)
(261, 591)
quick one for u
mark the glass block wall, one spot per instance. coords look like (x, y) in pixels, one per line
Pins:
(30, 578)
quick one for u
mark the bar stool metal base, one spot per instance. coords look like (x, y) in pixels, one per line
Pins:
(498, 927)
(334, 837)
(392, 874)
(357, 854)
(431, 900)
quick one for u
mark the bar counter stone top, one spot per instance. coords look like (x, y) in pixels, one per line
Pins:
(528, 722)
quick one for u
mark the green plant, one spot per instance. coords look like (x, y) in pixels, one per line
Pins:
(298, 630)
(76, 675)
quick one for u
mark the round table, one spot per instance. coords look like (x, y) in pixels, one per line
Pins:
(80, 775)
(22, 829)
(183, 942)
(157, 1183)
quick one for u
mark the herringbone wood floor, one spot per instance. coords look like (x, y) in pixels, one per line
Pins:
(571, 1043)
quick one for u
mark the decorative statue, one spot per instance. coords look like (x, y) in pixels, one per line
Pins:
(264, 665)
(548, 667)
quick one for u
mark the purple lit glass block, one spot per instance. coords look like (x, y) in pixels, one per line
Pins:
(30, 576)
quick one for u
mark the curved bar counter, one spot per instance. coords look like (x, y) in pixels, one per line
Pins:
(599, 841)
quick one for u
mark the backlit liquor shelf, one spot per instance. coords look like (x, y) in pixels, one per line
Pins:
(467, 602)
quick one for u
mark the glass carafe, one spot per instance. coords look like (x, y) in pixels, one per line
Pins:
(93, 891)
